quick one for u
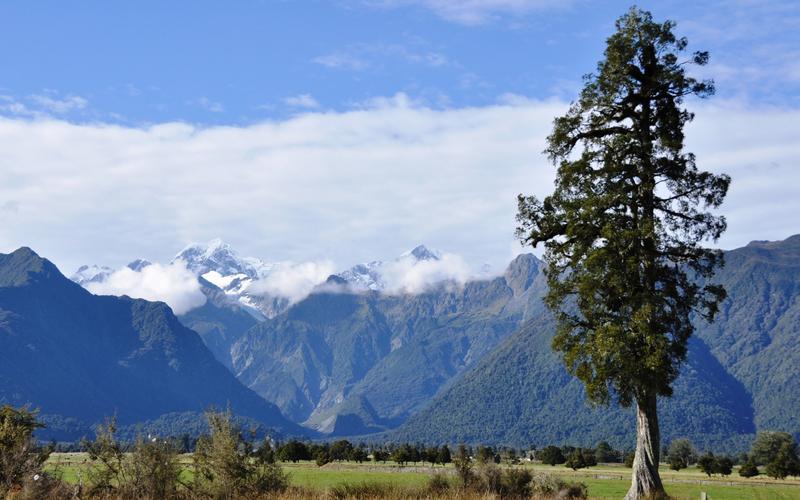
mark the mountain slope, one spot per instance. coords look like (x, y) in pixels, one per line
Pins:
(376, 358)
(78, 355)
(742, 374)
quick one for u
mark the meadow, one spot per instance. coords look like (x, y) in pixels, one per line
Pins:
(602, 481)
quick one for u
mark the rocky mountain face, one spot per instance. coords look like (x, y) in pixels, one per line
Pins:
(346, 363)
(87, 357)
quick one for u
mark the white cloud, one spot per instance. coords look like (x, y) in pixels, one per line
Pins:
(293, 281)
(172, 283)
(209, 105)
(473, 12)
(302, 101)
(340, 60)
(346, 186)
(360, 57)
(59, 106)
(406, 275)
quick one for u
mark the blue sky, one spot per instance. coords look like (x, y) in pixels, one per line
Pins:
(348, 130)
(246, 61)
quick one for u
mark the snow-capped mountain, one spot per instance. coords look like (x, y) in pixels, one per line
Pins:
(222, 266)
(91, 274)
(263, 288)
(370, 275)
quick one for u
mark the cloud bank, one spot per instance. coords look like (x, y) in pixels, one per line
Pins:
(343, 186)
(409, 276)
(172, 283)
(293, 281)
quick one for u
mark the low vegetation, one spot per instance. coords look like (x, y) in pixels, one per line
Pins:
(231, 463)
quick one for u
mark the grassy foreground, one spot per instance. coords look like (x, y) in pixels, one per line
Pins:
(604, 481)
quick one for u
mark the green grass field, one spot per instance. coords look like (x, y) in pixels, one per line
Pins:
(604, 481)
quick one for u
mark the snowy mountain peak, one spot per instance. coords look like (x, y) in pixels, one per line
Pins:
(91, 274)
(216, 255)
(138, 264)
(421, 252)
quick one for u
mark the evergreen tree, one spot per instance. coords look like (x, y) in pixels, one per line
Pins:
(680, 454)
(444, 457)
(623, 231)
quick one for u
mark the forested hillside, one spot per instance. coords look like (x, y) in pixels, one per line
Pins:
(85, 358)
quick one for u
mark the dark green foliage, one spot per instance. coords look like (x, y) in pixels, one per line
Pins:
(723, 466)
(580, 458)
(706, 463)
(551, 455)
(748, 469)
(443, 456)
(785, 463)
(294, 451)
(617, 247)
(680, 454)
(484, 455)
(624, 229)
(767, 444)
(711, 464)
(20, 457)
(604, 453)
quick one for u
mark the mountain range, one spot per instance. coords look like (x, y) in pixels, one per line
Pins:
(82, 358)
(471, 361)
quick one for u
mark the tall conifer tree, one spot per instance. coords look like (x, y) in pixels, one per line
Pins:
(624, 229)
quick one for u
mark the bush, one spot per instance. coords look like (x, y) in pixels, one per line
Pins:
(548, 486)
(463, 464)
(437, 485)
(516, 483)
(20, 458)
(681, 454)
(748, 469)
(151, 470)
(226, 467)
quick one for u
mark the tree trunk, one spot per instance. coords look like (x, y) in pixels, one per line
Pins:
(646, 483)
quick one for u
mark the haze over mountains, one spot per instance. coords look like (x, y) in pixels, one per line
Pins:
(454, 360)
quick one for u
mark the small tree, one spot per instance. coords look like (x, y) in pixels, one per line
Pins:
(20, 457)
(707, 463)
(681, 454)
(551, 455)
(785, 463)
(152, 470)
(624, 229)
(767, 445)
(463, 465)
(604, 453)
(444, 457)
(575, 460)
(723, 466)
(225, 465)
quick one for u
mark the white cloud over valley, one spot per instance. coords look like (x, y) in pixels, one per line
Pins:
(171, 283)
(345, 187)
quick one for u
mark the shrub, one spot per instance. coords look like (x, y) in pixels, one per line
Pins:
(151, 470)
(516, 483)
(681, 454)
(20, 457)
(225, 465)
(361, 490)
(748, 469)
(437, 485)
